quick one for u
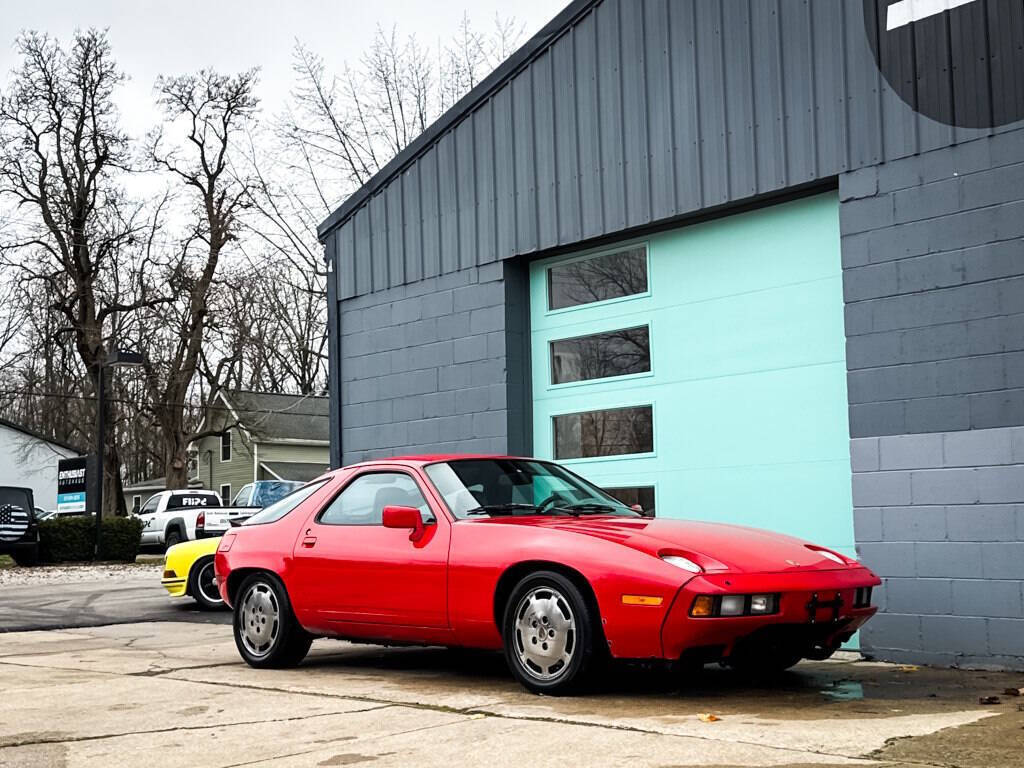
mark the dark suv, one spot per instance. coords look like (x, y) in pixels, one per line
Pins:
(19, 528)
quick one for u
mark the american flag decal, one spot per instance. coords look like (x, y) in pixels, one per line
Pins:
(13, 522)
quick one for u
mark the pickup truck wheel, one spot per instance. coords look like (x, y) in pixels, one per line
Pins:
(173, 537)
(202, 585)
(27, 557)
(548, 633)
(266, 631)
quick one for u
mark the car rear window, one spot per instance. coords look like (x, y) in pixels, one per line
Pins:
(279, 509)
(193, 500)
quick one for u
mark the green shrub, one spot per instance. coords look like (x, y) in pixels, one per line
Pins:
(69, 539)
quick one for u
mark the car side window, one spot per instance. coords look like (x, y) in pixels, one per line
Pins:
(242, 499)
(150, 506)
(363, 500)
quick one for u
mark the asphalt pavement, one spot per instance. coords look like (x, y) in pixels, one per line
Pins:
(96, 603)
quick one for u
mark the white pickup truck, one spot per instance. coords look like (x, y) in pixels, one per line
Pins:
(170, 517)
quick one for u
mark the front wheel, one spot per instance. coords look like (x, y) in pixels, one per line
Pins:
(266, 631)
(202, 585)
(26, 557)
(548, 634)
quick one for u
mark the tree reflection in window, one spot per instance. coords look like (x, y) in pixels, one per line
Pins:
(610, 432)
(609, 276)
(601, 355)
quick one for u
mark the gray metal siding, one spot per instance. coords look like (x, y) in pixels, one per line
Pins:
(641, 111)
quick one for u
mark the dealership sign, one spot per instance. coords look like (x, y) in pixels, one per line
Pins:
(958, 62)
(71, 484)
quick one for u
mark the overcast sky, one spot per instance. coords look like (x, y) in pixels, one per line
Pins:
(153, 38)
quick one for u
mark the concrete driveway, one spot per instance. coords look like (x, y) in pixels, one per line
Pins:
(176, 694)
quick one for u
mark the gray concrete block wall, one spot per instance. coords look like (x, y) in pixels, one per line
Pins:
(423, 367)
(940, 517)
(933, 278)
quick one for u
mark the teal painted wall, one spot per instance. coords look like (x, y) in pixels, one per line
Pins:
(748, 378)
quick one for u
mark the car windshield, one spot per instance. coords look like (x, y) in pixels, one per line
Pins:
(269, 491)
(473, 487)
(282, 507)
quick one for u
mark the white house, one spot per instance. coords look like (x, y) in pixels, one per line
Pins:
(29, 460)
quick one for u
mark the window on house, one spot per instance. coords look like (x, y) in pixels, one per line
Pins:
(136, 504)
(601, 355)
(609, 432)
(225, 494)
(225, 447)
(639, 495)
(598, 278)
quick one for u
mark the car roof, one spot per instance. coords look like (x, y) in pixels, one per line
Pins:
(420, 460)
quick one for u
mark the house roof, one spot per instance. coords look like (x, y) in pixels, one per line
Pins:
(501, 75)
(303, 471)
(39, 436)
(271, 417)
(157, 484)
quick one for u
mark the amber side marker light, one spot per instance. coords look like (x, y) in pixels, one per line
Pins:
(704, 605)
(642, 600)
(170, 575)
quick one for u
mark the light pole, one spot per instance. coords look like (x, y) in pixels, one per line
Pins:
(115, 358)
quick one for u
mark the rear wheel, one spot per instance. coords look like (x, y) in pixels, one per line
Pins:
(266, 631)
(202, 585)
(27, 556)
(548, 633)
(173, 537)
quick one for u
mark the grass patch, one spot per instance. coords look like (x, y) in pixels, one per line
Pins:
(6, 561)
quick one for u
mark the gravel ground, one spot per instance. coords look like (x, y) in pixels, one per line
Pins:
(76, 572)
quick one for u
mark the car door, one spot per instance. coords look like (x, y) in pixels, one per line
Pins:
(150, 531)
(348, 568)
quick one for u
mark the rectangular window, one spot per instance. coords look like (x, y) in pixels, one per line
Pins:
(641, 495)
(598, 278)
(136, 504)
(611, 432)
(225, 494)
(601, 355)
(225, 447)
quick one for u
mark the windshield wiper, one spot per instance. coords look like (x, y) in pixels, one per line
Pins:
(490, 509)
(587, 508)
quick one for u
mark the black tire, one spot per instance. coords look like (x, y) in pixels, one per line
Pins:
(203, 587)
(572, 621)
(287, 643)
(26, 557)
(173, 537)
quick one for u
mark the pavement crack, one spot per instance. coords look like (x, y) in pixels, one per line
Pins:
(154, 731)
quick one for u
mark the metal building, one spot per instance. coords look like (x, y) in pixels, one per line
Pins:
(757, 261)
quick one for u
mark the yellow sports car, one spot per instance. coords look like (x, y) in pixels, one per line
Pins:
(188, 570)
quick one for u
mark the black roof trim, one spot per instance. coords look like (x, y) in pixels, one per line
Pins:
(503, 73)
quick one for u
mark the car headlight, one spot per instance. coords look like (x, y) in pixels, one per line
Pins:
(681, 562)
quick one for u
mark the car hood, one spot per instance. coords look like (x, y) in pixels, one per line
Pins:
(714, 546)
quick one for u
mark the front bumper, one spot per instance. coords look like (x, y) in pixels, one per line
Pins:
(176, 587)
(816, 612)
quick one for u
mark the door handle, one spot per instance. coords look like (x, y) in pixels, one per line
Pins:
(309, 541)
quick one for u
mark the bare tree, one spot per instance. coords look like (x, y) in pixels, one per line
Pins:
(61, 152)
(212, 112)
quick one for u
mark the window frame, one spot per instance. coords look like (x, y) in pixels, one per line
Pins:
(649, 324)
(617, 248)
(230, 447)
(427, 496)
(156, 505)
(225, 500)
(652, 404)
(136, 503)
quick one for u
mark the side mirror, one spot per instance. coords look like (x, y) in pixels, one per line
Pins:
(404, 517)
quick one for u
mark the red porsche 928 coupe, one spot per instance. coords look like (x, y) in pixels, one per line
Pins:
(516, 553)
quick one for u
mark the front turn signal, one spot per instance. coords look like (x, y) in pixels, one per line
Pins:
(704, 605)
